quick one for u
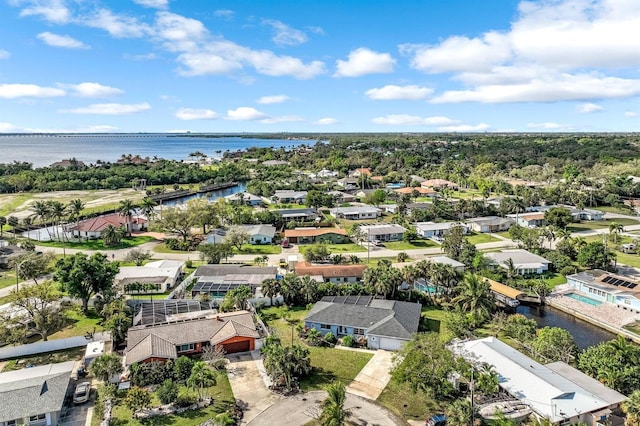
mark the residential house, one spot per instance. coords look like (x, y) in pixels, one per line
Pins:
(92, 228)
(529, 220)
(386, 324)
(216, 280)
(383, 232)
(316, 235)
(259, 234)
(356, 212)
(525, 183)
(444, 260)
(300, 215)
(556, 391)
(606, 287)
(330, 273)
(361, 171)
(244, 198)
(34, 396)
(439, 184)
(341, 197)
(9, 251)
(149, 312)
(233, 331)
(578, 214)
(525, 262)
(153, 277)
(437, 230)
(489, 224)
(65, 164)
(324, 174)
(270, 163)
(348, 183)
(421, 191)
(287, 197)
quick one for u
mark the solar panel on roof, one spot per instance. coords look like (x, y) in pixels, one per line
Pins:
(633, 285)
(607, 279)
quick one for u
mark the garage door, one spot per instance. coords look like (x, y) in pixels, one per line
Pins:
(243, 346)
(390, 344)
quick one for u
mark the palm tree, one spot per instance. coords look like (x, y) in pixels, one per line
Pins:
(290, 288)
(549, 235)
(354, 259)
(474, 297)
(333, 411)
(106, 366)
(148, 207)
(309, 288)
(373, 278)
(13, 222)
(3, 222)
(614, 230)
(27, 224)
(75, 208)
(270, 288)
(111, 235)
(460, 413)
(126, 208)
(202, 376)
(631, 408)
(57, 211)
(41, 211)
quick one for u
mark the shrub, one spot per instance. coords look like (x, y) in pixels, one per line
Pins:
(167, 392)
(313, 337)
(347, 341)
(188, 263)
(186, 397)
(330, 338)
(182, 369)
(152, 373)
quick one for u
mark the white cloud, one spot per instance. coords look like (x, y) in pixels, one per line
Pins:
(552, 88)
(465, 128)
(325, 121)
(12, 91)
(589, 107)
(275, 99)
(316, 30)
(53, 11)
(364, 61)
(413, 120)
(224, 14)
(92, 90)
(118, 26)
(57, 40)
(575, 48)
(282, 119)
(156, 4)
(630, 114)
(4, 54)
(8, 128)
(110, 109)
(245, 114)
(391, 92)
(196, 114)
(284, 35)
(549, 125)
(179, 33)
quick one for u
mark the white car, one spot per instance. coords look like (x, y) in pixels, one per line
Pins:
(82, 393)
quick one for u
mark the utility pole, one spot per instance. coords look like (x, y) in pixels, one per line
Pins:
(472, 386)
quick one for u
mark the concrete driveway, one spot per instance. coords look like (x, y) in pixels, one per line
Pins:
(248, 385)
(302, 408)
(373, 378)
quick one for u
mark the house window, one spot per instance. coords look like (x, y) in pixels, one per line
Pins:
(325, 326)
(11, 423)
(342, 329)
(185, 348)
(359, 331)
(37, 418)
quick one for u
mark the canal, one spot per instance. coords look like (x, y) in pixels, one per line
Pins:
(209, 196)
(584, 334)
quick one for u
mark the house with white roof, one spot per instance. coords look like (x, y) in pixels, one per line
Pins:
(525, 262)
(556, 391)
(245, 198)
(605, 287)
(34, 396)
(259, 234)
(432, 229)
(287, 196)
(383, 232)
(356, 212)
(153, 277)
(488, 224)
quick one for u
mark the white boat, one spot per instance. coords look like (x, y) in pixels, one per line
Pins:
(513, 410)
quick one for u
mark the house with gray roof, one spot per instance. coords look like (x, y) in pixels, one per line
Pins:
(383, 232)
(386, 324)
(259, 234)
(244, 198)
(297, 214)
(489, 224)
(34, 396)
(356, 212)
(216, 280)
(288, 196)
(525, 262)
(233, 331)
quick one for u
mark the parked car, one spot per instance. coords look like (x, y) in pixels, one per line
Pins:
(285, 243)
(82, 393)
(437, 420)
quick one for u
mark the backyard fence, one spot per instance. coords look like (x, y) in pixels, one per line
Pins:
(51, 345)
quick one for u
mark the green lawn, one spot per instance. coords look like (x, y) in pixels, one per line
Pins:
(600, 224)
(400, 398)
(328, 363)
(633, 327)
(162, 248)
(405, 245)
(7, 278)
(73, 354)
(259, 249)
(223, 400)
(337, 248)
(98, 245)
(504, 234)
(77, 324)
(480, 238)
(620, 210)
(629, 259)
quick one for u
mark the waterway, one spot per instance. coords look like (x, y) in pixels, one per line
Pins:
(584, 334)
(209, 196)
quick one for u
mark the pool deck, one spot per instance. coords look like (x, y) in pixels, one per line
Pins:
(605, 315)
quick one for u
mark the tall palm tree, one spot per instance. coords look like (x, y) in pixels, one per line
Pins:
(614, 230)
(270, 288)
(474, 297)
(75, 208)
(461, 413)
(27, 224)
(333, 411)
(57, 211)
(3, 222)
(42, 212)
(126, 208)
(309, 288)
(111, 235)
(290, 288)
(13, 222)
(202, 376)
(105, 366)
(631, 408)
(147, 207)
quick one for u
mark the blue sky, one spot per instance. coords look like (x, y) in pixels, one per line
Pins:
(319, 66)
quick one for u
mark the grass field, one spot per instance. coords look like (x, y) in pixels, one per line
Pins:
(600, 224)
(480, 238)
(400, 398)
(328, 364)
(405, 245)
(221, 393)
(337, 248)
(7, 278)
(77, 324)
(73, 354)
(619, 210)
(259, 249)
(98, 245)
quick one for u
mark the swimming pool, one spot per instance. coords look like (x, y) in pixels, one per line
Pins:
(584, 299)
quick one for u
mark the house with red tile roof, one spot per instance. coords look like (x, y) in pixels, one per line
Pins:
(93, 227)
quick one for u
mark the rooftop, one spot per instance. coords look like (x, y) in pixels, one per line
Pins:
(329, 270)
(383, 229)
(312, 232)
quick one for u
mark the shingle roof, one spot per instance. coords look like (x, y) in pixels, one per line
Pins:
(387, 228)
(330, 271)
(151, 346)
(222, 270)
(312, 232)
(34, 390)
(261, 229)
(380, 317)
